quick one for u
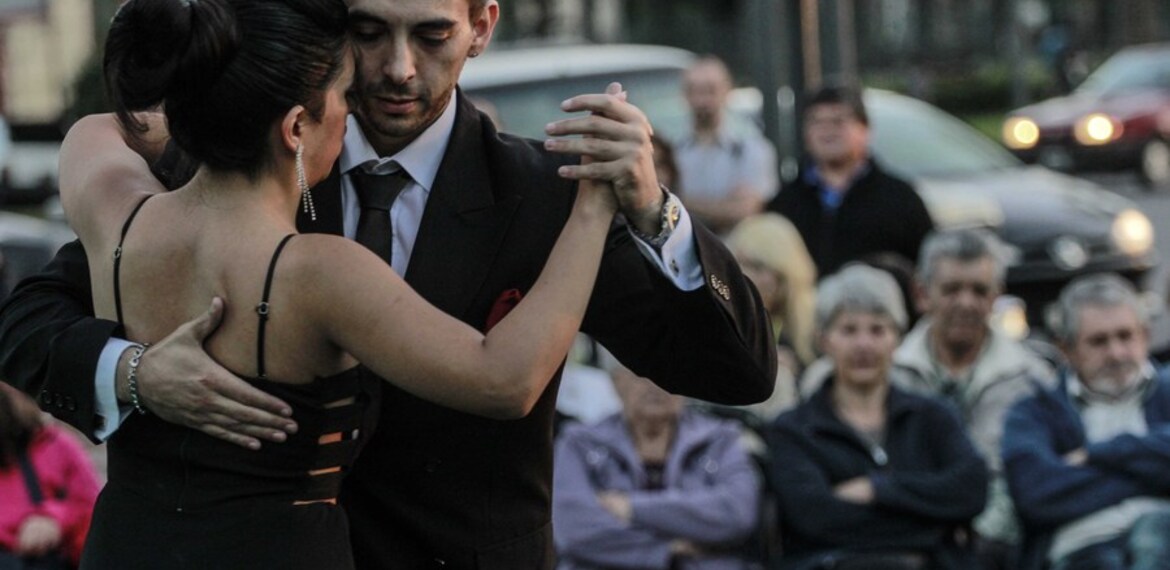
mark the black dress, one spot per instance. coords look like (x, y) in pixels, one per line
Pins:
(178, 498)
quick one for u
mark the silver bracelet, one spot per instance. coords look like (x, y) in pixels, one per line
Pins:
(132, 376)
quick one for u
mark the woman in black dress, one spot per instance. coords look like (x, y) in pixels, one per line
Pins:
(254, 90)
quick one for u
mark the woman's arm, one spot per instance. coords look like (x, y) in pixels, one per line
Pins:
(102, 176)
(364, 308)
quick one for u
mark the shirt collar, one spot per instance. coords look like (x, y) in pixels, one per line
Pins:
(420, 158)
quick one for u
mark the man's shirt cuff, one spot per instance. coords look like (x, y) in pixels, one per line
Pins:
(679, 258)
(110, 414)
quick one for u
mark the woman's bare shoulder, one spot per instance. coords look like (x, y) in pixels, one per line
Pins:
(326, 258)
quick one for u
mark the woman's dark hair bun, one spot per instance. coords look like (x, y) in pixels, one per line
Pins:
(223, 70)
(157, 48)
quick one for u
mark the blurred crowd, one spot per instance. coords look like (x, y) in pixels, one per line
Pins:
(906, 430)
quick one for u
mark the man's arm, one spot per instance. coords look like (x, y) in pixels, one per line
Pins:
(583, 529)
(713, 343)
(49, 341)
(1048, 489)
(722, 214)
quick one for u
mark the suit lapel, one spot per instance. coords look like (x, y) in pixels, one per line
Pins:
(327, 201)
(464, 222)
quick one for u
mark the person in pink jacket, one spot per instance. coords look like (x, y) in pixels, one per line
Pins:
(55, 523)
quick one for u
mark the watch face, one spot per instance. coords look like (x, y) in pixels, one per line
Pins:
(671, 214)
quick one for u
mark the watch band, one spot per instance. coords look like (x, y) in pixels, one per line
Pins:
(671, 212)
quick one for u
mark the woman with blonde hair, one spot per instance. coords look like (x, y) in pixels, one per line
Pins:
(772, 254)
(774, 257)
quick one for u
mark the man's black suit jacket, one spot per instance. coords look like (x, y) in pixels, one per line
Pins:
(435, 487)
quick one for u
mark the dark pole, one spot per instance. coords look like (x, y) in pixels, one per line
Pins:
(776, 68)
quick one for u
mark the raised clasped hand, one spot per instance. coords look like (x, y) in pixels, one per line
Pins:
(614, 143)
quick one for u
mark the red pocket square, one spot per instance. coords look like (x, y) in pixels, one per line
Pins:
(503, 305)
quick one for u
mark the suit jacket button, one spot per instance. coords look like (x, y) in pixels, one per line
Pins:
(46, 397)
(70, 404)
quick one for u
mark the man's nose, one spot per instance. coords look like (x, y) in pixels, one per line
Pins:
(399, 64)
(1119, 350)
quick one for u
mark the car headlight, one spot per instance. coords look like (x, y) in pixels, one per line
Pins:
(1133, 233)
(1068, 253)
(1020, 133)
(1097, 129)
(1009, 314)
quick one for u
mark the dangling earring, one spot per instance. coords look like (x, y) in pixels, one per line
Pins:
(303, 184)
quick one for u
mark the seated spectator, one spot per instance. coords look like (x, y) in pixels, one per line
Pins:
(654, 487)
(1088, 462)
(47, 488)
(773, 256)
(954, 353)
(844, 204)
(870, 476)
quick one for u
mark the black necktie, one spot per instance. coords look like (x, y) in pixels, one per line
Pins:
(376, 193)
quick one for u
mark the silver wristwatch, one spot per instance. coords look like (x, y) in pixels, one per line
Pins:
(671, 212)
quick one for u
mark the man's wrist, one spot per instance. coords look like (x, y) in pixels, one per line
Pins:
(122, 374)
(656, 225)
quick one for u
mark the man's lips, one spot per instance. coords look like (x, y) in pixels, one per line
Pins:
(396, 105)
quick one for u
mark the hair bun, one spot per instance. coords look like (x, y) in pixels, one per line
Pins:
(157, 48)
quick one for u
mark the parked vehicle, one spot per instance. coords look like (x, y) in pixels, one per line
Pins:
(26, 245)
(1117, 119)
(1057, 226)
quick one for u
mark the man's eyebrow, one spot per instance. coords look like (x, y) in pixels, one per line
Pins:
(359, 16)
(438, 24)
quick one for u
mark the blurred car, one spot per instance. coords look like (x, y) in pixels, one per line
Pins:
(1057, 226)
(522, 89)
(1118, 119)
(26, 245)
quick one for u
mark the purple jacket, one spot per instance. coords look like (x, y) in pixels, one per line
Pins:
(712, 497)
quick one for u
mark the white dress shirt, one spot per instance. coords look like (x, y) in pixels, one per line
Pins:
(678, 259)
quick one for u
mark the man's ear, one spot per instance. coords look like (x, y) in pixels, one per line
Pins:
(921, 294)
(483, 26)
(292, 127)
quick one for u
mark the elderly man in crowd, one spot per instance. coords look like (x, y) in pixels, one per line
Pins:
(954, 353)
(653, 487)
(1088, 462)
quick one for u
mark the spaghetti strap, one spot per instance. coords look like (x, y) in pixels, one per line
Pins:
(262, 308)
(118, 259)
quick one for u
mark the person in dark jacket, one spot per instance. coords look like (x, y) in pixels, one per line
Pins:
(868, 475)
(1088, 462)
(844, 205)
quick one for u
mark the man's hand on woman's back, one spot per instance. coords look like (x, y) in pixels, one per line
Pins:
(182, 384)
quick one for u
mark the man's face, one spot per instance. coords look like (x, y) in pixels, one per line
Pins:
(410, 55)
(959, 299)
(706, 87)
(834, 135)
(643, 402)
(1109, 349)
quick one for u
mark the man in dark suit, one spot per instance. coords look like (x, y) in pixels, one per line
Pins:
(473, 225)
